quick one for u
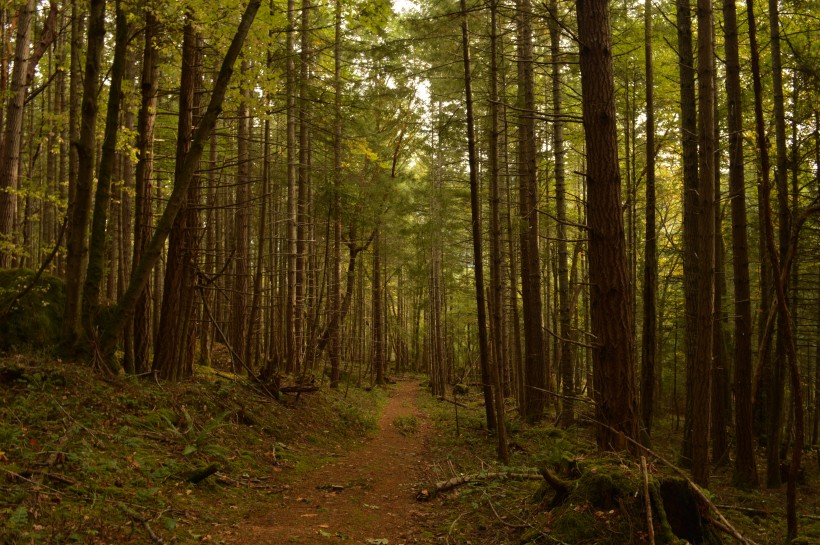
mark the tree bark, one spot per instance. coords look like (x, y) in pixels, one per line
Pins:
(76, 246)
(650, 271)
(146, 119)
(125, 306)
(745, 470)
(613, 355)
(13, 135)
(97, 245)
(496, 274)
(691, 229)
(475, 214)
(173, 357)
(565, 364)
(535, 364)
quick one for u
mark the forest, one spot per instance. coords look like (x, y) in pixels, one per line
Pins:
(601, 213)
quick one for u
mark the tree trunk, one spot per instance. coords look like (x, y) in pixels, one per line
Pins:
(173, 357)
(704, 350)
(238, 332)
(76, 246)
(95, 269)
(336, 257)
(691, 229)
(13, 134)
(293, 350)
(535, 364)
(565, 364)
(475, 214)
(146, 119)
(650, 271)
(745, 470)
(613, 356)
(496, 276)
(125, 306)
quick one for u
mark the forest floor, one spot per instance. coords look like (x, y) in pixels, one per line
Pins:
(87, 458)
(366, 495)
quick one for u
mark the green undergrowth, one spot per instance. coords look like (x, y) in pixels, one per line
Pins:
(603, 501)
(90, 460)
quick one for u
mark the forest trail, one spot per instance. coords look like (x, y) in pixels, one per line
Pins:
(367, 496)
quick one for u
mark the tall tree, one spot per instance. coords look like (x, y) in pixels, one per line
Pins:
(702, 369)
(565, 364)
(613, 357)
(650, 271)
(97, 245)
(745, 470)
(13, 134)
(124, 309)
(77, 244)
(146, 118)
(240, 241)
(496, 274)
(535, 362)
(173, 357)
(689, 146)
(475, 214)
(335, 265)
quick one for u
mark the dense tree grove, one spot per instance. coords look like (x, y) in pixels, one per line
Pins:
(563, 202)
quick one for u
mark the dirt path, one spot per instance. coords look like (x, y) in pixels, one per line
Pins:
(375, 500)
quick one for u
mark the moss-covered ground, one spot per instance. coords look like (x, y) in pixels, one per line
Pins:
(85, 459)
(605, 504)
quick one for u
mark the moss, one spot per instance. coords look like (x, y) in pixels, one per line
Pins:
(35, 321)
(603, 485)
(575, 526)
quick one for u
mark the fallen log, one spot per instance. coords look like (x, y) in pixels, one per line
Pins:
(524, 474)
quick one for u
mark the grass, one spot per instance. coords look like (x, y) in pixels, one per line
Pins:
(85, 460)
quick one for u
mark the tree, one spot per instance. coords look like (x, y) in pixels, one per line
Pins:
(475, 214)
(702, 369)
(173, 357)
(123, 310)
(535, 362)
(77, 246)
(146, 119)
(650, 272)
(745, 470)
(613, 357)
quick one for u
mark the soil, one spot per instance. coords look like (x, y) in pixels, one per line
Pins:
(364, 496)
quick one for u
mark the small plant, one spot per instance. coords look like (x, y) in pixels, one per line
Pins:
(406, 425)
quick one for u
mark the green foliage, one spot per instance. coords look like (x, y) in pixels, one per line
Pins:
(406, 425)
(35, 321)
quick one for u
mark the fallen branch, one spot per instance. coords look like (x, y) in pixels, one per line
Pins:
(647, 502)
(456, 403)
(525, 474)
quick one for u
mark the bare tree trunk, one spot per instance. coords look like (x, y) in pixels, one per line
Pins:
(183, 177)
(146, 119)
(77, 247)
(239, 335)
(335, 278)
(97, 246)
(173, 357)
(567, 335)
(293, 351)
(691, 229)
(475, 212)
(13, 134)
(649, 347)
(613, 356)
(745, 470)
(535, 364)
